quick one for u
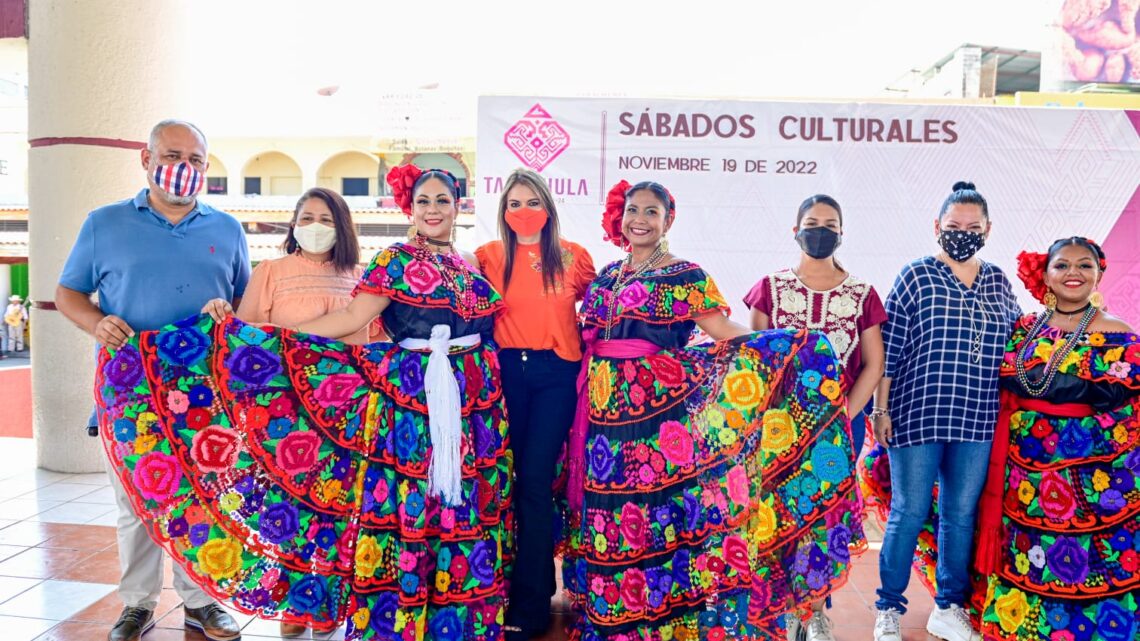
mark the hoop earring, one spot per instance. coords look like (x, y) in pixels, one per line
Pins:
(1050, 300)
(1097, 300)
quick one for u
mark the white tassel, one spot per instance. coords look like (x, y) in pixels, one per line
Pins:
(445, 471)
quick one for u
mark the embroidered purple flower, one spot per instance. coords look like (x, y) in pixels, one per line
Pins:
(480, 287)
(601, 458)
(411, 375)
(244, 484)
(177, 527)
(254, 365)
(801, 560)
(681, 577)
(483, 562)
(184, 346)
(383, 620)
(661, 515)
(817, 560)
(125, 369)
(1132, 461)
(308, 594)
(1123, 481)
(199, 534)
(278, 523)
(692, 511)
(1068, 560)
(1112, 501)
(257, 598)
(838, 542)
(816, 579)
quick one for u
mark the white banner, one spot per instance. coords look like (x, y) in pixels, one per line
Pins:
(740, 169)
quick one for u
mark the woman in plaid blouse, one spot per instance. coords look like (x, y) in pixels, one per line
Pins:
(949, 316)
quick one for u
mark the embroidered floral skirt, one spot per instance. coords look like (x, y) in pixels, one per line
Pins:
(719, 491)
(288, 475)
(1070, 565)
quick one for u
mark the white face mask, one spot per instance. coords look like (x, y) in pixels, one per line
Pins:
(315, 238)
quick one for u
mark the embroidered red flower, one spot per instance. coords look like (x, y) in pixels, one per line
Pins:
(1056, 497)
(736, 554)
(667, 370)
(305, 357)
(633, 589)
(297, 452)
(645, 378)
(198, 418)
(280, 406)
(633, 524)
(256, 417)
(1041, 428)
(215, 449)
(337, 389)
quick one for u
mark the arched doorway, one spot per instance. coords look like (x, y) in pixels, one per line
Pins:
(272, 173)
(352, 173)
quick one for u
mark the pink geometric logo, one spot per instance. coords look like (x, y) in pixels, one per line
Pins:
(537, 138)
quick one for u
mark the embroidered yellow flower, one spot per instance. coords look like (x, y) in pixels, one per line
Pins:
(331, 489)
(1096, 340)
(1120, 433)
(367, 556)
(1026, 492)
(680, 293)
(601, 384)
(145, 420)
(383, 258)
(1100, 479)
(442, 581)
(1072, 360)
(1113, 354)
(830, 388)
(600, 543)
(220, 558)
(1021, 562)
(230, 501)
(764, 523)
(779, 431)
(1011, 609)
(145, 443)
(1043, 350)
(714, 417)
(727, 437)
(360, 618)
(744, 389)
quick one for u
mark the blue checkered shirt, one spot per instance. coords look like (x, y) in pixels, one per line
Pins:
(939, 393)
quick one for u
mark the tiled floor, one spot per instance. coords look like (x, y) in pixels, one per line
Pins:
(59, 566)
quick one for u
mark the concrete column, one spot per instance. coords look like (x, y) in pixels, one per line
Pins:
(100, 75)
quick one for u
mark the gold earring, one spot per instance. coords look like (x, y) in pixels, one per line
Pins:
(1097, 300)
(1050, 300)
(664, 244)
(412, 232)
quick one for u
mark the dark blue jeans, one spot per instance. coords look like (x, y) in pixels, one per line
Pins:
(540, 392)
(960, 469)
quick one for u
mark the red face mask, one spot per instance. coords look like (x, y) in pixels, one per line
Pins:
(526, 221)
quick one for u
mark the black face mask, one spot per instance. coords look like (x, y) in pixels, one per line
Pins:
(960, 244)
(818, 242)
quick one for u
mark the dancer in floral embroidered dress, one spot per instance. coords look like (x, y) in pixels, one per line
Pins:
(312, 481)
(695, 511)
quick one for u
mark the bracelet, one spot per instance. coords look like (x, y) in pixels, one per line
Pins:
(876, 412)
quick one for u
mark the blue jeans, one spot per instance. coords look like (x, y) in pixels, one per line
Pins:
(960, 469)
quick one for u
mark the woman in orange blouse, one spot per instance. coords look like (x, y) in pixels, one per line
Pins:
(318, 272)
(541, 277)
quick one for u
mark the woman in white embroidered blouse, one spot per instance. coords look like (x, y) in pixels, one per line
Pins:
(818, 294)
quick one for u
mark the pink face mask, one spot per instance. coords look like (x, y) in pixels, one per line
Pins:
(180, 180)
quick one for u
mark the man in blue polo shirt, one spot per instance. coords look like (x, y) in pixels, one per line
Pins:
(155, 259)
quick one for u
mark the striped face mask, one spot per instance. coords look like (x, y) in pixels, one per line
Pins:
(180, 180)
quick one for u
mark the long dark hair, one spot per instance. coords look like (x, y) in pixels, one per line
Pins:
(550, 244)
(346, 251)
(1086, 243)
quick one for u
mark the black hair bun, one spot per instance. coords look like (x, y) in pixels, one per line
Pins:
(962, 184)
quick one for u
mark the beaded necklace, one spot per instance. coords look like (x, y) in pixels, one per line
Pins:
(456, 275)
(1038, 388)
(623, 278)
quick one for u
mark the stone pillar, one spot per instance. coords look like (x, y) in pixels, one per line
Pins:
(100, 75)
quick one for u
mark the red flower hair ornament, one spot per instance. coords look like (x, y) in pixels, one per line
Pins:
(1031, 271)
(611, 217)
(402, 180)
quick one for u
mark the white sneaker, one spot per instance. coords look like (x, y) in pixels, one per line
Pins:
(819, 628)
(887, 625)
(794, 625)
(952, 624)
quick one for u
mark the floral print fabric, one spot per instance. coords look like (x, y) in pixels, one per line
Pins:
(288, 474)
(1070, 564)
(718, 488)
